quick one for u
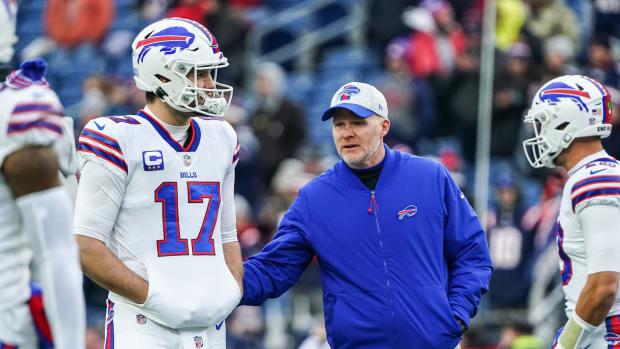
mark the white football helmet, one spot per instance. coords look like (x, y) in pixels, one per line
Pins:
(169, 50)
(565, 108)
(8, 15)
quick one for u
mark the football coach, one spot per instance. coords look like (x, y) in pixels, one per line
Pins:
(403, 257)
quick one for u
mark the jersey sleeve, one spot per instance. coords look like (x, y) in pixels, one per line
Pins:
(602, 240)
(99, 198)
(229, 221)
(600, 187)
(99, 143)
(65, 148)
(33, 117)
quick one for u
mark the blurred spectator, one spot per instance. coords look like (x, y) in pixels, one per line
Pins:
(457, 99)
(436, 41)
(250, 238)
(411, 99)
(559, 55)
(510, 245)
(247, 176)
(547, 18)
(152, 10)
(607, 17)
(71, 22)
(518, 335)
(230, 27)
(194, 10)
(278, 123)
(602, 65)
(510, 99)
(317, 339)
(383, 28)
(510, 19)
(244, 328)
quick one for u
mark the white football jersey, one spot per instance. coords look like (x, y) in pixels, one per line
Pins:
(593, 182)
(176, 204)
(30, 114)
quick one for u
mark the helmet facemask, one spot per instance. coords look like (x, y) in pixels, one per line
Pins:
(541, 149)
(207, 101)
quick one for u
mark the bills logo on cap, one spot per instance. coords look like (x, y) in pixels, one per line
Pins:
(347, 91)
(198, 341)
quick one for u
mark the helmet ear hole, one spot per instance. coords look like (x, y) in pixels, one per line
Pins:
(162, 78)
(562, 126)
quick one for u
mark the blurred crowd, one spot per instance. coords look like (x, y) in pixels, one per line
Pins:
(425, 57)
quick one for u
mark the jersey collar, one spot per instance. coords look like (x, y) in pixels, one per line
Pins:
(194, 139)
(599, 156)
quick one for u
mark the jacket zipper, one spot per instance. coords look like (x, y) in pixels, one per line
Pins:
(375, 205)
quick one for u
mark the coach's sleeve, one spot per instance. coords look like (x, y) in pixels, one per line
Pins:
(466, 251)
(280, 264)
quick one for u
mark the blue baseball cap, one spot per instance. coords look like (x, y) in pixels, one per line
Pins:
(362, 99)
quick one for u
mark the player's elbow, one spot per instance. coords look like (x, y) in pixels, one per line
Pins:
(87, 248)
(605, 286)
(607, 293)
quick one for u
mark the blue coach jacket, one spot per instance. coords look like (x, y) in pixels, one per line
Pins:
(395, 269)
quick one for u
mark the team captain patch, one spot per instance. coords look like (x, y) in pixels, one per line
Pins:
(153, 160)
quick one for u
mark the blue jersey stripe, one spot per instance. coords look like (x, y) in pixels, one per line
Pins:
(103, 155)
(194, 142)
(39, 123)
(594, 192)
(592, 180)
(101, 138)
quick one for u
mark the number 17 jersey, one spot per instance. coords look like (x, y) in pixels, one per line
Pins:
(164, 209)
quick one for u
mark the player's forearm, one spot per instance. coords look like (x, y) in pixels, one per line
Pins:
(232, 256)
(103, 267)
(597, 297)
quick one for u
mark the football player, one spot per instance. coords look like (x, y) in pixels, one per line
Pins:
(36, 145)
(569, 116)
(155, 214)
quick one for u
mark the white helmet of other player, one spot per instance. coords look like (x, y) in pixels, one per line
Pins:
(8, 14)
(168, 50)
(565, 108)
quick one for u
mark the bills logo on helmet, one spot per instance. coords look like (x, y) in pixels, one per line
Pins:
(554, 91)
(347, 91)
(171, 40)
(210, 37)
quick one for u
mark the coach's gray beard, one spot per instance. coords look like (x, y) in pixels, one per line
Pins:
(361, 162)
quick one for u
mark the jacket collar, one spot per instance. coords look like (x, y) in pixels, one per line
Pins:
(350, 180)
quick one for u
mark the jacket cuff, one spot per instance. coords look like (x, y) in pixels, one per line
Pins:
(461, 313)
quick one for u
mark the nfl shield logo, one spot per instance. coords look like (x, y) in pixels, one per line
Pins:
(140, 319)
(187, 160)
(198, 341)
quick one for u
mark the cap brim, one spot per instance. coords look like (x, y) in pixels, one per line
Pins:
(355, 108)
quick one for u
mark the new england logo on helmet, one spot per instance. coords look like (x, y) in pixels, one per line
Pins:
(168, 58)
(565, 108)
